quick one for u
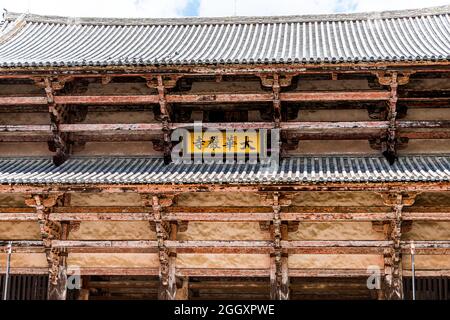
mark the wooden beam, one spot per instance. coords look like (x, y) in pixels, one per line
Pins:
(201, 98)
(303, 126)
(231, 214)
(335, 96)
(429, 247)
(15, 101)
(181, 188)
(343, 67)
(328, 273)
(221, 272)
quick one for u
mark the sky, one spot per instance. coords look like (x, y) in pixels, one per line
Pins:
(206, 8)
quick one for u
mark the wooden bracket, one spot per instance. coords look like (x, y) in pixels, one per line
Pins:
(391, 198)
(279, 278)
(380, 143)
(269, 80)
(283, 199)
(393, 280)
(276, 81)
(393, 80)
(162, 83)
(169, 81)
(59, 114)
(52, 230)
(386, 78)
(390, 151)
(56, 83)
(165, 230)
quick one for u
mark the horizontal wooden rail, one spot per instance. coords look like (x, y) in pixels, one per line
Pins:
(237, 272)
(236, 246)
(304, 126)
(201, 98)
(236, 214)
(123, 136)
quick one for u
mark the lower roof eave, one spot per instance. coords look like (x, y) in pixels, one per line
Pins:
(431, 186)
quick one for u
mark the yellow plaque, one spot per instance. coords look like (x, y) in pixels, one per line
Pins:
(222, 142)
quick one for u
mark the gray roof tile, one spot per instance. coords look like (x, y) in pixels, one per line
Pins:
(133, 170)
(31, 40)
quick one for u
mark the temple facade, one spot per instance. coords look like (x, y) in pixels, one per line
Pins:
(298, 157)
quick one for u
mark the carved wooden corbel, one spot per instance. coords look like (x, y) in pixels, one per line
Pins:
(56, 83)
(276, 81)
(385, 77)
(268, 80)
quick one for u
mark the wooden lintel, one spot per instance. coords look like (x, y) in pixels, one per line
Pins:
(231, 246)
(182, 188)
(292, 126)
(248, 273)
(200, 98)
(294, 213)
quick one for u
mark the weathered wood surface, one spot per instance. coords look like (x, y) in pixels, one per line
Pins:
(293, 213)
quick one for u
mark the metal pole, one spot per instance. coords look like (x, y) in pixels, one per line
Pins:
(8, 265)
(413, 271)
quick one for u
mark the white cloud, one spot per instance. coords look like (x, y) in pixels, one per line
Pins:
(379, 5)
(298, 7)
(264, 7)
(98, 8)
(175, 8)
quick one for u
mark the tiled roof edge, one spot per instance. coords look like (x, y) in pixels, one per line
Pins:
(11, 16)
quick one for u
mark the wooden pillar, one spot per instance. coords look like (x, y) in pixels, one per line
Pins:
(389, 145)
(284, 290)
(162, 83)
(84, 291)
(165, 230)
(52, 230)
(279, 273)
(276, 82)
(183, 289)
(61, 143)
(393, 269)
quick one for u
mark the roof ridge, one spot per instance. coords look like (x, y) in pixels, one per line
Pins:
(11, 16)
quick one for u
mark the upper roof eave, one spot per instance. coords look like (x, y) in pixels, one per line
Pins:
(11, 16)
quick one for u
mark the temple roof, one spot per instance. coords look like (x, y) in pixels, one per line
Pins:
(33, 40)
(136, 170)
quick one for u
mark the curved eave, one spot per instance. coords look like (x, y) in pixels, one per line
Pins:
(39, 42)
(229, 68)
(431, 186)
